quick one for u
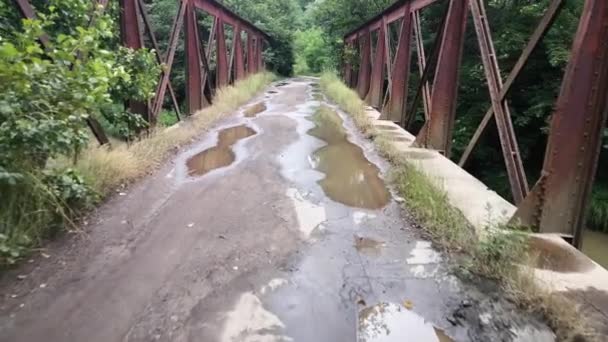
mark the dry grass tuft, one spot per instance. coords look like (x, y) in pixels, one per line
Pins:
(108, 168)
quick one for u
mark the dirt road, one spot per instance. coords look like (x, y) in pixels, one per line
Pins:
(266, 229)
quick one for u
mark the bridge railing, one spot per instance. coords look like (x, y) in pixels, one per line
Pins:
(557, 202)
(230, 66)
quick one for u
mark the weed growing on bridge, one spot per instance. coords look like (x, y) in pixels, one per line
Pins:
(501, 255)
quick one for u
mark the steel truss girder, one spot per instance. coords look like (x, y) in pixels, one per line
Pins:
(558, 201)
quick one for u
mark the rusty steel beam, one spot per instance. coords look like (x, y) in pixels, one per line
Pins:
(216, 9)
(194, 70)
(239, 71)
(250, 52)
(347, 72)
(437, 132)
(157, 52)
(541, 30)
(506, 133)
(364, 64)
(426, 88)
(410, 116)
(206, 57)
(168, 63)
(221, 54)
(260, 48)
(27, 11)
(374, 95)
(400, 70)
(558, 201)
(389, 15)
(131, 37)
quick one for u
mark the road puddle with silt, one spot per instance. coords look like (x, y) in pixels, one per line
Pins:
(388, 322)
(220, 155)
(350, 178)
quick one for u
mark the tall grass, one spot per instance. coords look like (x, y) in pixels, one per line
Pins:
(108, 168)
(498, 256)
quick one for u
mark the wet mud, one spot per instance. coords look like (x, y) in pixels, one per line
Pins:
(395, 322)
(551, 255)
(254, 110)
(220, 155)
(367, 245)
(350, 178)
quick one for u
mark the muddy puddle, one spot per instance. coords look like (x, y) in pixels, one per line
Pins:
(349, 177)
(255, 109)
(368, 246)
(388, 322)
(220, 155)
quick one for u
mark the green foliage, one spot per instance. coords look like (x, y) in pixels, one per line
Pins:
(46, 95)
(167, 118)
(597, 217)
(312, 52)
(278, 18)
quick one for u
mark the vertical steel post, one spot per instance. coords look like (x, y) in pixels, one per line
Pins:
(364, 64)
(348, 67)
(161, 88)
(374, 96)
(401, 70)
(194, 72)
(506, 133)
(260, 48)
(250, 53)
(221, 54)
(437, 132)
(238, 54)
(426, 87)
(558, 201)
(131, 37)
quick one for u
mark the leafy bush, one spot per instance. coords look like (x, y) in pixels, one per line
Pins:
(46, 95)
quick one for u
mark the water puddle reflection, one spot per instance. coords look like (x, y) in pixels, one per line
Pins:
(255, 109)
(220, 155)
(389, 322)
(349, 177)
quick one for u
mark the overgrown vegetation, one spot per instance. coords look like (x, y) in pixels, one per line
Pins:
(501, 255)
(50, 171)
(46, 95)
(106, 169)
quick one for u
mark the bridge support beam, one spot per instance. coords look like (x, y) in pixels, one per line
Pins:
(400, 70)
(194, 71)
(437, 132)
(239, 68)
(558, 201)
(374, 95)
(364, 63)
(221, 54)
(131, 37)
